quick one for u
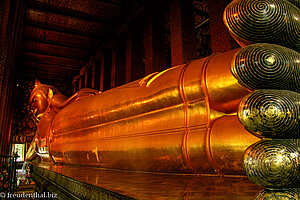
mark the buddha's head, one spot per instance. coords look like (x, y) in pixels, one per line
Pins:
(40, 98)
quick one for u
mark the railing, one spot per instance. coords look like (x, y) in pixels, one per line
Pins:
(8, 179)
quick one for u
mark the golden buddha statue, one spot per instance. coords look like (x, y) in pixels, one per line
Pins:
(185, 119)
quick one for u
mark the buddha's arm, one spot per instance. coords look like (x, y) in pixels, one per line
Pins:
(59, 101)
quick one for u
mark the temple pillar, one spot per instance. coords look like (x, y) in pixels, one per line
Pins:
(120, 62)
(128, 57)
(79, 83)
(74, 87)
(97, 73)
(183, 34)
(93, 67)
(113, 67)
(107, 59)
(134, 54)
(86, 79)
(154, 41)
(101, 78)
(11, 17)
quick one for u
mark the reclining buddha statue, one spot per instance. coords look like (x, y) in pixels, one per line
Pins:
(196, 118)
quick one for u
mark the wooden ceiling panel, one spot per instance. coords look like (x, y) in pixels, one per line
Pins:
(48, 49)
(105, 10)
(62, 22)
(29, 65)
(59, 36)
(53, 60)
(39, 74)
(55, 37)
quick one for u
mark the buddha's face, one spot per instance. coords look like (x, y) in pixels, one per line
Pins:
(38, 102)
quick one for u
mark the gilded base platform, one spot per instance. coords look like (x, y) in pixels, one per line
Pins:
(77, 182)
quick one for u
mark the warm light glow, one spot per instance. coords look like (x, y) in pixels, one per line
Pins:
(157, 75)
(157, 129)
(272, 5)
(271, 60)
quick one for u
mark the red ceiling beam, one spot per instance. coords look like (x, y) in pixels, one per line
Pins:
(50, 67)
(99, 11)
(44, 6)
(47, 59)
(55, 49)
(48, 75)
(60, 29)
(121, 4)
(55, 43)
(65, 23)
(53, 54)
(36, 34)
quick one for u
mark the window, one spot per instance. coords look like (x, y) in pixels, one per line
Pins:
(20, 150)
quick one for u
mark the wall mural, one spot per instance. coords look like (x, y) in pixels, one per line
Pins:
(24, 123)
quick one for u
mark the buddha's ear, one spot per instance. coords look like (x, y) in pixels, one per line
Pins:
(37, 82)
(50, 95)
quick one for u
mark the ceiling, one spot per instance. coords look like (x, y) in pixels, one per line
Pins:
(59, 36)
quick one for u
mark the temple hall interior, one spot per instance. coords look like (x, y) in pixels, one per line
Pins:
(113, 47)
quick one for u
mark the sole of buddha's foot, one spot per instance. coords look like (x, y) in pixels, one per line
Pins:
(271, 113)
(273, 164)
(267, 66)
(270, 21)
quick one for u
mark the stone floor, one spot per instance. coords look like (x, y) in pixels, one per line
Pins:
(147, 186)
(26, 188)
